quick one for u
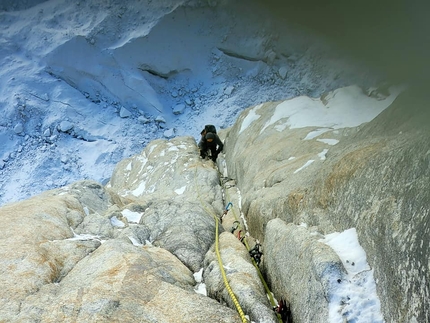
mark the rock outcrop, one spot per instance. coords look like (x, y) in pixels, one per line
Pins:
(176, 194)
(242, 277)
(375, 179)
(124, 253)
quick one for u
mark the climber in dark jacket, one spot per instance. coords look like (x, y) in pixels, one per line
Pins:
(210, 141)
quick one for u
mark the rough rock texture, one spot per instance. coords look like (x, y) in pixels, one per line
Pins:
(182, 228)
(125, 253)
(28, 258)
(375, 179)
(167, 170)
(242, 278)
(176, 193)
(122, 283)
(385, 194)
(307, 281)
(178, 199)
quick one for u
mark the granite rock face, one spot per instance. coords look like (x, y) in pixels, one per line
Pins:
(242, 277)
(175, 195)
(126, 252)
(122, 283)
(373, 177)
(37, 247)
(303, 267)
(131, 251)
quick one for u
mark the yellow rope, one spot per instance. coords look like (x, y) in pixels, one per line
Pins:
(221, 267)
(266, 287)
(224, 276)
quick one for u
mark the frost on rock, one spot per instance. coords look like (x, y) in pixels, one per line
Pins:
(124, 113)
(65, 126)
(179, 109)
(19, 128)
(169, 133)
(283, 72)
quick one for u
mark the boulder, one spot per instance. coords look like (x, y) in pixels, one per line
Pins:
(179, 109)
(65, 126)
(167, 170)
(124, 113)
(120, 282)
(25, 255)
(183, 228)
(19, 128)
(169, 133)
(283, 71)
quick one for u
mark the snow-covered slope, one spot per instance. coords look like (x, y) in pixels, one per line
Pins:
(85, 84)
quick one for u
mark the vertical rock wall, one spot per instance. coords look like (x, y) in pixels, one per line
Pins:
(376, 179)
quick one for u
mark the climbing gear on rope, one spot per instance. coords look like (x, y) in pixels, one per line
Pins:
(256, 253)
(235, 226)
(226, 210)
(220, 264)
(224, 276)
(268, 292)
(240, 237)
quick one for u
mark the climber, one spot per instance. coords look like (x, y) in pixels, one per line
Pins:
(208, 128)
(210, 142)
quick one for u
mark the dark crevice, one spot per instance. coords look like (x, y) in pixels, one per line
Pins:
(161, 74)
(240, 56)
(155, 73)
